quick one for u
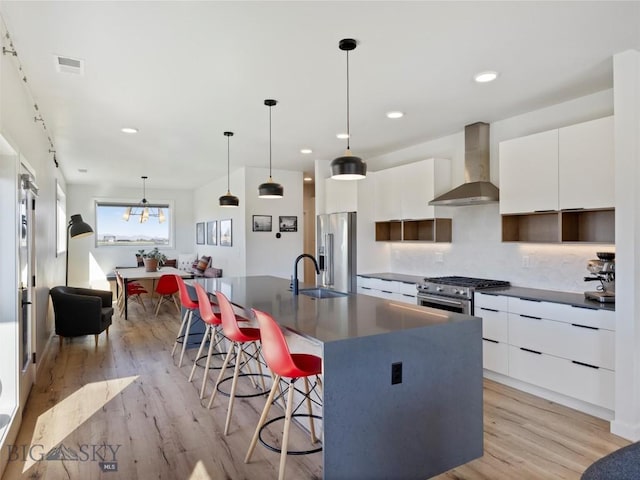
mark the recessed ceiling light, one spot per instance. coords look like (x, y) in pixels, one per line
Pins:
(342, 136)
(82, 170)
(308, 179)
(129, 130)
(484, 77)
(306, 151)
(395, 114)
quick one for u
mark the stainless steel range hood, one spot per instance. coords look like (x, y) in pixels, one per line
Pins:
(477, 189)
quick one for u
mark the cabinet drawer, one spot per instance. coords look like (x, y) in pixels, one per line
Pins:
(589, 317)
(485, 300)
(593, 385)
(495, 356)
(404, 298)
(367, 291)
(586, 345)
(494, 324)
(405, 288)
(366, 282)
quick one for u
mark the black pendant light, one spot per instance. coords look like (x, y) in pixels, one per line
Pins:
(270, 189)
(228, 200)
(348, 166)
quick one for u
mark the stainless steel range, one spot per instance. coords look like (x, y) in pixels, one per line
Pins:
(454, 294)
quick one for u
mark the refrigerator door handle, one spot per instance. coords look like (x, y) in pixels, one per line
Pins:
(329, 261)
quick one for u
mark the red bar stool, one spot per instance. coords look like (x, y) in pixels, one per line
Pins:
(185, 326)
(242, 338)
(293, 366)
(166, 288)
(212, 333)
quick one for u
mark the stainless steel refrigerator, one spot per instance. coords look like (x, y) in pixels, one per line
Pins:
(336, 245)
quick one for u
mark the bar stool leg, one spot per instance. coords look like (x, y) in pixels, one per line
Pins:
(222, 371)
(312, 427)
(205, 375)
(204, 340)
(185, 339)
(285, 433)
(263, 418)
(232, 394)
(184, 322)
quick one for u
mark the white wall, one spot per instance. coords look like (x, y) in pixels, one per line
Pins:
(267, 254)
(253, 253)
(88, 264)
(232, 260)
(476, 249)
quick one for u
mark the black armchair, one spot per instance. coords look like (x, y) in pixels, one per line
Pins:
(81, 311)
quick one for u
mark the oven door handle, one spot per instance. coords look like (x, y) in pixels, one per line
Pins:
(441, 300)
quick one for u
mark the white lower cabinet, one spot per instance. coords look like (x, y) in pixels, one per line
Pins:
(495, 356)
(587, 383)
(565, 349)
(388, 289)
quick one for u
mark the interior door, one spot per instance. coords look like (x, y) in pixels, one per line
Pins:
(27, 192)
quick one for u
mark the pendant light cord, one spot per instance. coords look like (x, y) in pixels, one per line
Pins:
(228, 167)
(348, 133)
(269, 142)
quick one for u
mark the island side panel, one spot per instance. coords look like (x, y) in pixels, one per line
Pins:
(428, 424)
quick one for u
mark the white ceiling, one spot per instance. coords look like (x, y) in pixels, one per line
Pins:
(184, 72)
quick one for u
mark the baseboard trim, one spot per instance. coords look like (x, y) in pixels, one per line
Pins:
(570, 402)
(625, 430)
(43, 359)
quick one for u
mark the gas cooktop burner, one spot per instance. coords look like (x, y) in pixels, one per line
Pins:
(475, 283)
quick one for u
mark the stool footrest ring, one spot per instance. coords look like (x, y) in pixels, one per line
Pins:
(245, 395)
(289, 452)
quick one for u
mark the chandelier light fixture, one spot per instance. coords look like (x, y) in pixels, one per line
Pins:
(348, 166)
(270, 189)
(228, 200)
(144, 210)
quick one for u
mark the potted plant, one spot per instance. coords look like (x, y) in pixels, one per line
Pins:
(153, 259)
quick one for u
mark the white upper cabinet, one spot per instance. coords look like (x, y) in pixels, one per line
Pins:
(562, 169)
(404, 192)
(388, 192)
(587, 165)
(529, 173)
(341, 195)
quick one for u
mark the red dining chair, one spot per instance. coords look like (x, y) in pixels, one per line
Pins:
(166, 288)
(241, 339)
(134, 291)
(293, 366)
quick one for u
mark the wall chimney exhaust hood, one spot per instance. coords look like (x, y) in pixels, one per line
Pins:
(477, 189)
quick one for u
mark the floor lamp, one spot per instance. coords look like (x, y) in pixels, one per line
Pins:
(77, 228)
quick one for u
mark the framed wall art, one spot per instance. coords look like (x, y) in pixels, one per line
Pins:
(212, 233)
(226, 235)
(262, 223)
(200, 233)
(288, 224)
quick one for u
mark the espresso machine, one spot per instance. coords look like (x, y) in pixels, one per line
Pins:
(603, 270)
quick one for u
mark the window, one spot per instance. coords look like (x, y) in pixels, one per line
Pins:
(113, 228)
(61, 220)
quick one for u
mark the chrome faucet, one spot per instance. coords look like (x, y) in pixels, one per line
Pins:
(295, 270)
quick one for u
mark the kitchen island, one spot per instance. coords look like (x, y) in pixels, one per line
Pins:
(427, 422)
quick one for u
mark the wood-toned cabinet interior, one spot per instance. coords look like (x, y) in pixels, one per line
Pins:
(588, 226)
(424, 230)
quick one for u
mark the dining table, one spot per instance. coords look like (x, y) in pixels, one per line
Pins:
(140, 273)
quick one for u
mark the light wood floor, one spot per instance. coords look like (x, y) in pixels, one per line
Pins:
(129, 392)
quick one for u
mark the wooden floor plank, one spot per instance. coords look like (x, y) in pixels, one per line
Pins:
(128, 394)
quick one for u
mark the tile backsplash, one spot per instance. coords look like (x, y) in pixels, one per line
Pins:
(477, 251)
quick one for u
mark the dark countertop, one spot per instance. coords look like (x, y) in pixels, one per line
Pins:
(567, 298)
(397, 277)
(327, 319)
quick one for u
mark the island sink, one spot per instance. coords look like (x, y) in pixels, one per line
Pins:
(320, 292)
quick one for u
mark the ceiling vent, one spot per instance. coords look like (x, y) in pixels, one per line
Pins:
(69, 65)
